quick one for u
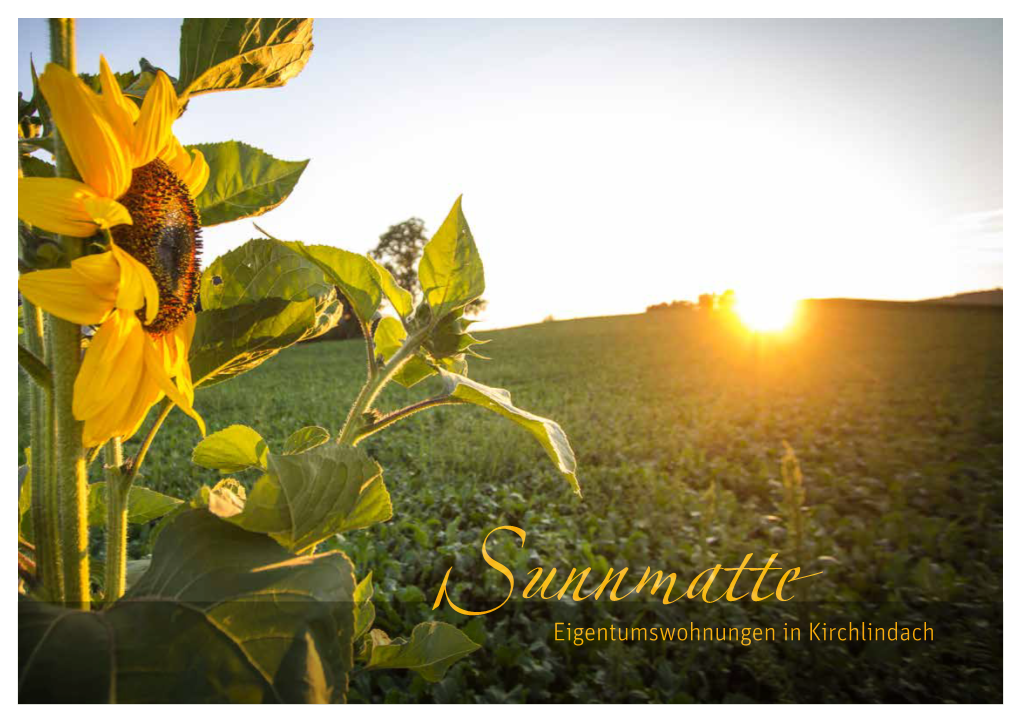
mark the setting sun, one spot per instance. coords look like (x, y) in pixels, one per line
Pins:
(766, 312)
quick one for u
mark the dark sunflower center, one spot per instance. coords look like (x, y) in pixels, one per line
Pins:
(165, 238)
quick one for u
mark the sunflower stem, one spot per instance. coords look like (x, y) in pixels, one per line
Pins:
(373, 362)
(64, 342)
(63, 345)
(45, 508)
(390, 418)
(116, 521)
(45, 498)
(374, 385)
(62, 43)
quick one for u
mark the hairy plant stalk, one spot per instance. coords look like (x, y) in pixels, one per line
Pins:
(119, 479)
(45, 498)
(63, 345)
(373, 362)
(374, 385)
(116, 521)
(390, 418)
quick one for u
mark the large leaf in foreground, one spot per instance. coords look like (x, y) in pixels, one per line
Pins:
(307, 497)
(261, 268)
(231, 341)
(237, 53)
(450, 270)
(221, 615)
(244, 181)
(431, 650)
(497, 400)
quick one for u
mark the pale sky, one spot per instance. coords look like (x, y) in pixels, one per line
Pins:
(608, 165)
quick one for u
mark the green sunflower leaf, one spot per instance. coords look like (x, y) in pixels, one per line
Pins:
(261, 268)
(219, 615)
(238, 53)
(233, 449)
(124, 80)
(305, 498)
(450, 270)
(231, 341)
(305, 439)
(414, 371)
(354, 274)
(389, 335)
(401, 300)
(25, 497)
(548, 433)
(244, 181)
(364, 609)
(34, 167)
(143, 504)
(431, 650)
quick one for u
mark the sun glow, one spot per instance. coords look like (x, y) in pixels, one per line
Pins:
(766, 312)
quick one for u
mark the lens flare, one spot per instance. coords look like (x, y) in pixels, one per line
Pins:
(766, 312)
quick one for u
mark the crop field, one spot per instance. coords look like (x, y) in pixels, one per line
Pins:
(678, 422)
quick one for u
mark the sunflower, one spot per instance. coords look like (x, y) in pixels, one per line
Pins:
(138, 184)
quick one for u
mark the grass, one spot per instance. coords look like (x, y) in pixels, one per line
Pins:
(679, 422)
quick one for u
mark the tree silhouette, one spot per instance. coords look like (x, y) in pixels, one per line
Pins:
(399, 249)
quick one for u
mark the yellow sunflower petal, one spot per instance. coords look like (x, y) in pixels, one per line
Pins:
(120, 111)
(123, 419)
(146, 396)
(114, 392)
(173, 155)
(174, 348)
(107, 213)
(173, 351)
(186, 331)
(182, 337)
(56, 205)
(198, 175)
(153, 130)
(102, 274)
(111, 368)
(155, 366)
(67, 294)
(91, 141)
(191, 168)
(184, 384)
(137, 286)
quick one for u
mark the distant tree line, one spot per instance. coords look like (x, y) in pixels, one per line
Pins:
(710, 302)
(675, 305)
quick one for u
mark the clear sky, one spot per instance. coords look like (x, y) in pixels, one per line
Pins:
(608, 165)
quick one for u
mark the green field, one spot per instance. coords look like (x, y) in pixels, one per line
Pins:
(678, 423)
